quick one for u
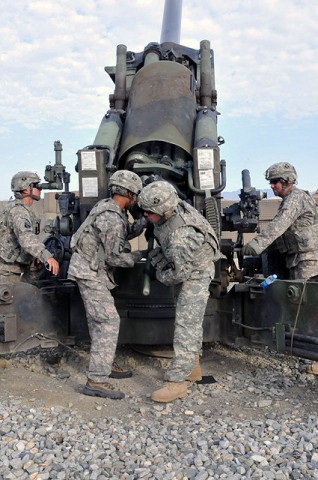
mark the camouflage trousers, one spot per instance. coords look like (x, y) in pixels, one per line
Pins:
(15, 272)
(304, 270)
(192, 297)
(9, 277)
(9, 272)
(103, 325)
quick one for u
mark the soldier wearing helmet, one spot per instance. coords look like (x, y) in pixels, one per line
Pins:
(23, 184)
(20, 245)
(188, 248)
(125, 181)
(100, 245)
(283, 171)
(294, 229)
(159, 198)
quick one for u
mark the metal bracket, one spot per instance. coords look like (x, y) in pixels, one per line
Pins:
(280, 337)
(8, 328)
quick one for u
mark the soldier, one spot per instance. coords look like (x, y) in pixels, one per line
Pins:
(99, 245)
(296, 222)
(185, 257)
(19, 227)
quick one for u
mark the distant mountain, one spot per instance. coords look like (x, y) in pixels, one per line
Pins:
(231, 195)
(235, 195)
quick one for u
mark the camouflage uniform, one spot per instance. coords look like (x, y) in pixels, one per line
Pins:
(99, 246)
(297, 223)
(185, 258)
(19, 243)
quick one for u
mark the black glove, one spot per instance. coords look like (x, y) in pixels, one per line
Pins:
(137, 227)
(149, 231)
(139, 254)
(156, 256)
(248, 251)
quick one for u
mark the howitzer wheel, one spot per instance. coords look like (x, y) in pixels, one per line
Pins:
(56, 247)
(66, 226)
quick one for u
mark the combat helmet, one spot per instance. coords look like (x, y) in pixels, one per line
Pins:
(283, 170)
(124, 180)
(22, 180)
(158, 197)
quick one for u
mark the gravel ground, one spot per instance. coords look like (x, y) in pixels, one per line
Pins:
(258, 420)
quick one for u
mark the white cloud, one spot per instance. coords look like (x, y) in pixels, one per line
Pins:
(53, 54)
(265, 54)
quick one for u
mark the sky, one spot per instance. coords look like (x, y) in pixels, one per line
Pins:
(54, 87)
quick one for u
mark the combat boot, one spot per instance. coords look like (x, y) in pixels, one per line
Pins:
(170, 391)
(313, 368)
(196, 374)
(119, 373)
(102, 389)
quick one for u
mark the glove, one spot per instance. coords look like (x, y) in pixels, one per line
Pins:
(149, 231)
(156, 256)
(126, 247)
(144, 253)
(139, 254)
(248, 250)
(139, 225)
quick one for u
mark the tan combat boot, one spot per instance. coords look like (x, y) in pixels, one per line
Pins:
(313, 368)
(196, 374)
(170, 391)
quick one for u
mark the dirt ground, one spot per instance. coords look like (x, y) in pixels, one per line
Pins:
(247, 383)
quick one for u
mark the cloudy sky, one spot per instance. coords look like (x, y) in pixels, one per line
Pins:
(53, 84)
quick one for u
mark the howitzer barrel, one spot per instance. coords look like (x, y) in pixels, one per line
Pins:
(205, 74)
(171, 22)
(120, 79)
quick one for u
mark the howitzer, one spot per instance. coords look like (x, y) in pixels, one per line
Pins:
(242, 217)
(162, 124)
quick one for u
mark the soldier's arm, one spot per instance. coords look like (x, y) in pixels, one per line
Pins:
(284, 218)
(28, 240)
(179, 256)
(136, 228)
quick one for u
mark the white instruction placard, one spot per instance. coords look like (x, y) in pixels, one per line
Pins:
(88, 160)
(206, 179)
(90, 187)
(205, 158)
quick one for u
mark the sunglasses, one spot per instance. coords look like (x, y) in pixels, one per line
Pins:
(273, 181)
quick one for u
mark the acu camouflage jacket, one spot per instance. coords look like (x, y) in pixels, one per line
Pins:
(295, 226)
(19, 241)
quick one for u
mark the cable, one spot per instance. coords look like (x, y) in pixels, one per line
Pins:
(296, 319)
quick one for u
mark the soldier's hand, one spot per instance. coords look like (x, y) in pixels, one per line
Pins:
(139, 254)
(53, 265)
(149, 230)
(38, 265)
(156, 256)
(248, 250)
(139, 225)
